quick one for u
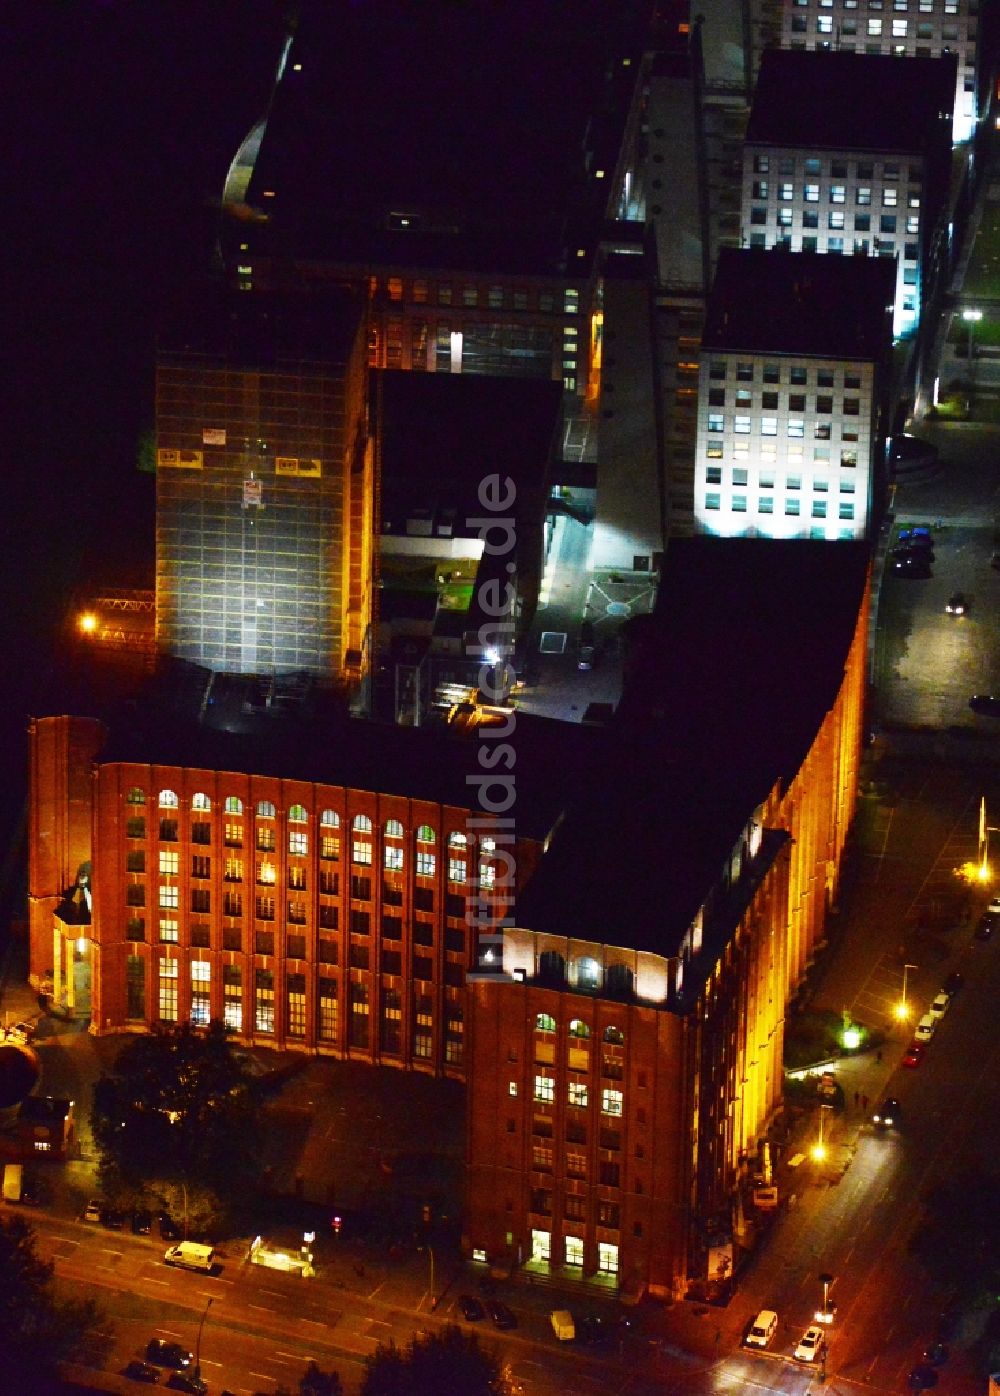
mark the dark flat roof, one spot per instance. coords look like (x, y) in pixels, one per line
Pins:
(265, 328)
(443, 434)
(804, 303)
(852, 101)
(316, 741)
(725, 689)
(468, 116)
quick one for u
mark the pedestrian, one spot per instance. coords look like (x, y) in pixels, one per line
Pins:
(864, 1102)
(857, 1099)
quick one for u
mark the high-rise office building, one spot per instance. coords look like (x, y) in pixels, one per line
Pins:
(824, 172)
(264, 487)
(919, 29)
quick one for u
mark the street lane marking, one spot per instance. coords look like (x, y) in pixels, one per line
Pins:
(262, 1308)
(295, 1357)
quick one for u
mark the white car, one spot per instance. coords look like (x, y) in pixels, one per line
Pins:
(810, 1344)
(92, 1211)
(994, 906)
(939, 1006)
(762, 1329)
(926, 1028)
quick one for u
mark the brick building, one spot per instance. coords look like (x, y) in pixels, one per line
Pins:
(625, 1071)
(305, 914)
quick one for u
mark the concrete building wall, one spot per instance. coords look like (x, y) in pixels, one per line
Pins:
(786, 446)
(850, 202)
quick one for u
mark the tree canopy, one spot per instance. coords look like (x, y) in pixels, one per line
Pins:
(177, 1115)
(37, 1330)
(451, 1360)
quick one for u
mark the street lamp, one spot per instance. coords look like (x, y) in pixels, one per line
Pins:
(971, 318)
(818, 1150)
(902, 1007)
(430, 1252)
(197, 1346)
(826, 1313)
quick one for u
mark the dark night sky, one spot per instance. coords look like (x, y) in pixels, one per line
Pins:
(118, 121)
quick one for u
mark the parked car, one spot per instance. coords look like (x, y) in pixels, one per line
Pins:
(918, 531)
(985, 705)
(471, 1308)
(187, 1381)
(142, 1223)
(923, 1376)
(500, 1315)
(92, 1211)
(169, 1229)
(915, 567)
(810, 1344)
(112, 1219)
(166, 1354)
(914, 1054)
(940, 1004)
(887, 1113)
(956, 605)
(936, 1353)
(926, 1028)
(588, 657)
(21, 1033)
(137, 1370)
(762, 1330)
(592, 1331)
(985, 926)
(953, 983)
(994, 907)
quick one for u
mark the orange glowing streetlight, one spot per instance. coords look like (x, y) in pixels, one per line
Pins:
(87, 622)
(902, 1009)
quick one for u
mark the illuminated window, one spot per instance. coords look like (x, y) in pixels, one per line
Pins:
(201, 992)
(298, 843)
(135, 796)
(169, 929)
(233, 805)
(716, 421)
(457, 870)
(169, 862)
(329, 819)
(263, 1001)
(168, 991)
(200, 801)
(169, 896)
(393, 858)
(545, 1089)
(544, 1022)
(611, 1101)
(265, 809)
(168, 799)
(577, 1093)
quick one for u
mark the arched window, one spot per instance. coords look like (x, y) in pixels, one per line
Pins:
(168, 799)
(578, 1028)
(585, 974)
(620, 982)
(393, 829)
(361, 824)
(135, 796)
(551, 967)
(200, 801)
(457, 840)
(233, 805)
(545, 1023)
(265, 810)
(425, 834)
(615, 1036)
(297, 814)
(330, 819)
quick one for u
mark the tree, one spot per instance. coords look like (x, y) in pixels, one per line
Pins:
(176, 1122)
(450, 1360)
(315, 1382)
(37, 1331)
